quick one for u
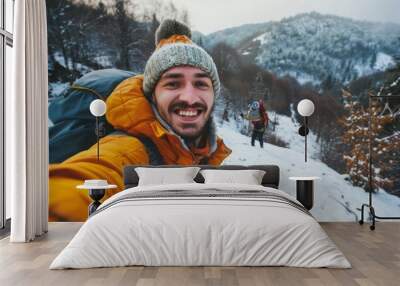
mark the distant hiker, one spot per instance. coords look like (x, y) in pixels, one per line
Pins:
(258, 117)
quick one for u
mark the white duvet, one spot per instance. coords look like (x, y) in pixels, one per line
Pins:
(183, 231)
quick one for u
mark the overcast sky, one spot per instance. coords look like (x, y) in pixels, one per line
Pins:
(208, 16)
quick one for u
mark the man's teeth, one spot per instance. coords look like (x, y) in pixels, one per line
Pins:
(187, 113)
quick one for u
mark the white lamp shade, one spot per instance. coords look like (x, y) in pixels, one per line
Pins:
(305, 107)
(98, 107)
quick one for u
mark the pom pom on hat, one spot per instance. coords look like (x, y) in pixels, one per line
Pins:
(171, 27)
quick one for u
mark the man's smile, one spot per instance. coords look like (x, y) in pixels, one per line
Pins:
(188, 114)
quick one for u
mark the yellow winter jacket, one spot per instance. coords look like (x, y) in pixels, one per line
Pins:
(127, 110)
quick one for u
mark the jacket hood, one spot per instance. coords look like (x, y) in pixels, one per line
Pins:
(128, 109)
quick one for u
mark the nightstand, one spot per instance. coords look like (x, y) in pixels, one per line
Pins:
(305, 190)
(97, 190)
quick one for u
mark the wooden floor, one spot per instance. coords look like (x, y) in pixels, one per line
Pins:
(374, 255)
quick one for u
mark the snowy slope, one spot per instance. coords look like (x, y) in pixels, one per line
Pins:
(287, 130)
(335, 198)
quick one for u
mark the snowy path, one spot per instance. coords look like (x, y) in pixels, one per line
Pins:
(335, 198)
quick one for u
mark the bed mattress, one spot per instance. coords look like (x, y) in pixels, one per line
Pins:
(201, 225)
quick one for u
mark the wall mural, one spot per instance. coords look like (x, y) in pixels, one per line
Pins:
(240, 110)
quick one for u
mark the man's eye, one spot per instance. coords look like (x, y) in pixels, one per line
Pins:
(172, 84)
(201, 84)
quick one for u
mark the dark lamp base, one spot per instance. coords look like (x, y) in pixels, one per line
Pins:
(305, 193)
(96, 195)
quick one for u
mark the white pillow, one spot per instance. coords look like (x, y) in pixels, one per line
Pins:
(248, 177)
(163, 176)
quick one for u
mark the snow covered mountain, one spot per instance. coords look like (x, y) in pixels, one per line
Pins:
(335, 198)
(315, 48)
(234, 36)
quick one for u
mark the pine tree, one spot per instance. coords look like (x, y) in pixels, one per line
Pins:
(124, 34)
(258, 89)
(200, 42)
(356, 125)
(391, 87)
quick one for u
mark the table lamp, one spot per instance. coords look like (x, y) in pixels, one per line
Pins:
(98, 108)
(306, 109)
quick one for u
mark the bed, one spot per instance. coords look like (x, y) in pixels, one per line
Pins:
(201, 224)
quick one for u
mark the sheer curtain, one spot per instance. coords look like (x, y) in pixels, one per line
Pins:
(27, 127)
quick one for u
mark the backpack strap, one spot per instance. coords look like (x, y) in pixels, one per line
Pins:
(155, 157)
(82, 88)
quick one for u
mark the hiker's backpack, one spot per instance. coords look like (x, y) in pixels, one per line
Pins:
(74, 126)
(258, 116)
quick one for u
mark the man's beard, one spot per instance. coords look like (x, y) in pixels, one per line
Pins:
(198, 140)
(202, 134)
(189, 139)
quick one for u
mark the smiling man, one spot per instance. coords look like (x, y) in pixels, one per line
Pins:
(167, 111)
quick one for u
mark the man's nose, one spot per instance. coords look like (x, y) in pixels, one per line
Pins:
(189, 94)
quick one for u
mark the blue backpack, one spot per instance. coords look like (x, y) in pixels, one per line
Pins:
(74, 126)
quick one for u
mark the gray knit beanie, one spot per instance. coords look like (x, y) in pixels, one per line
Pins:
(175, 48)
